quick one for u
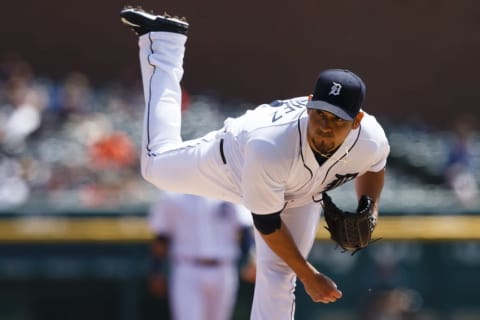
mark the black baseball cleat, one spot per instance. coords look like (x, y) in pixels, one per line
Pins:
(142, 22)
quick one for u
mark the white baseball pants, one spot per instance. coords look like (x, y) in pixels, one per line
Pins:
(203, 292)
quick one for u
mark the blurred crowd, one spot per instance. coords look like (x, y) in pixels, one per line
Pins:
(66, 143)
(73, 144)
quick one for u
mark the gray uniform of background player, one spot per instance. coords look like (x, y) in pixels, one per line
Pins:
(203, 246)
(266, 164)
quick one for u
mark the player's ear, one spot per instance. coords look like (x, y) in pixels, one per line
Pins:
(310, 96)
(357, 120)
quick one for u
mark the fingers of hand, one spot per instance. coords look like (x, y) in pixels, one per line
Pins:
(332, 296)
(323, 289)
(329, 299)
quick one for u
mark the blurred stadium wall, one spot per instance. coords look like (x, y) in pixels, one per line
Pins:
(96, 267)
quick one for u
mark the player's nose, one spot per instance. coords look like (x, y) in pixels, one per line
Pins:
(324, 133)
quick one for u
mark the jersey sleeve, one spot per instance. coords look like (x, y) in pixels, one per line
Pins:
(263, 179)
(381, 161)
(377, 140)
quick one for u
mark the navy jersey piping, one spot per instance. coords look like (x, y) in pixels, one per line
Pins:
(301, 145)
(149, 151)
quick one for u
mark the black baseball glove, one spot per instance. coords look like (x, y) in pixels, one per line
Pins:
(350, 230)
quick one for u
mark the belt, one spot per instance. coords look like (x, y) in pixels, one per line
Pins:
(207, 262)
(221, 152)
(203, 262)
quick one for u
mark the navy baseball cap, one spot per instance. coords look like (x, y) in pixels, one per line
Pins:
(340, 92)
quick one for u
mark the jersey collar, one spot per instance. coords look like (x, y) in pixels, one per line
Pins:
(341, 154)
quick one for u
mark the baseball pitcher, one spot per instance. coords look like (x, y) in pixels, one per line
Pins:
(199, 239)
(278, 160)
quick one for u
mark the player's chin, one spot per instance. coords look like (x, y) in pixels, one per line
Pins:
(324, 146)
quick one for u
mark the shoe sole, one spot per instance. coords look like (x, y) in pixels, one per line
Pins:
(151, 17)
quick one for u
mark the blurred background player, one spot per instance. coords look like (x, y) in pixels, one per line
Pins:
(202, 239)
(459, 172)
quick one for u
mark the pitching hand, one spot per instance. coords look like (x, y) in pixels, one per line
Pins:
(321, 288)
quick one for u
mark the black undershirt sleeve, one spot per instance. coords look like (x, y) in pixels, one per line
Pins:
(267, 223)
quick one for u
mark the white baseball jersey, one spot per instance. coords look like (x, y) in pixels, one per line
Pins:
(269, 146)
(261, 159)
(198, 229)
